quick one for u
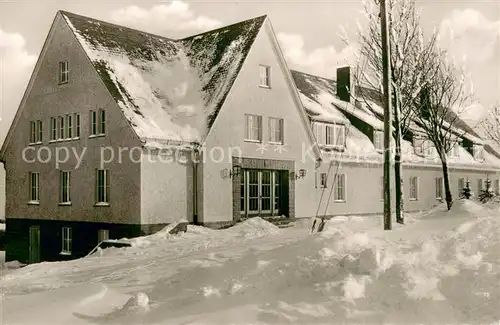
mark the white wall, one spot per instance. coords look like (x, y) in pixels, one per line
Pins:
(2, 192)
(228, 131)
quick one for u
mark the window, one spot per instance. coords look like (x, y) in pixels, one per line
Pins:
(382, 188)
(53, 129)
(69, 127)
(339, 194)
(98, 122)
(461, 186)
(102, 186)
(77, 125)
(63, 72)
(61, 128)
(414, 188)
(479, 185)
(93, 123)
(418, 145)
(102, 234)
(378, 140)
(264, 76)
(439, 187)
(478, 152)
(339, 135)
(66, 240)
(455, 151)
(276, 130)
(253, 127)
(102, 121)
(497, 186)
(322, 180)
(64, 182)
(34, 179)
(36, 132)
(329, 135)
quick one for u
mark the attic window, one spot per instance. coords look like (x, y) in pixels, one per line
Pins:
(63, 72)
(378, 140)
(331, 135)
(265, 72)
(478, 152)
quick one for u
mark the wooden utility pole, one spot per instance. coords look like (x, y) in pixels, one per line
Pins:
(387, 116)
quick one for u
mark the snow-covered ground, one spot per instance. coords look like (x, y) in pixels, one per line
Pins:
(441, 267)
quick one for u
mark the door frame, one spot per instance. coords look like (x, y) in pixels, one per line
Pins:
(34, 229)
(275, 182)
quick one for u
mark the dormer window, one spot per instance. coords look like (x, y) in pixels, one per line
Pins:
(378, 140)
(63, 72)
(478, 152)
(265, 72)
(455, 151)
(330, 135)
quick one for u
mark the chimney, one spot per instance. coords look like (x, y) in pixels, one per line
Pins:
(345, 84)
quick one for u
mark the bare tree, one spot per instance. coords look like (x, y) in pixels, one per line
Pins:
(438, 108)
(408, 49)
(491, 125)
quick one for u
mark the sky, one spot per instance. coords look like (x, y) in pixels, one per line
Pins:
(308, 31)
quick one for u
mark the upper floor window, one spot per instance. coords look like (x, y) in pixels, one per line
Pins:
(455, 151)
(276, 130)
(53, 129)
(97, 122)
(60, 125)
(413, 188)
(478, 152)
(253, 127)
(330, 134)
(63, 72)
(102, 186)
(378, 140)
(339, 194)
(265, 73)
(34, 189)
(439, 187)
(36, 132)
(64, 181)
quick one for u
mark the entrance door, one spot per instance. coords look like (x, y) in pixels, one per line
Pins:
(34, 249)
(261, 193)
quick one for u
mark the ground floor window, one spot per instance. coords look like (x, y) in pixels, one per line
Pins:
(414, 188)
(461, 186)
(66, 240)
(340, 185)
(439, 187)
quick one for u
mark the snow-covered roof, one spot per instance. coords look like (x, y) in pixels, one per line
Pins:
(167, 89)
(319, 97)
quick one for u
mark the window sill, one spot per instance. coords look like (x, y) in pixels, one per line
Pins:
(34, 203)
(35, 143)
(280, 143)
(264, 86)
(413, 199)
(63, 82)
(101, 204)
(97, 135)
(64, 140)
(339, 201)
(64, 203)
(253, 141)
(65, 253)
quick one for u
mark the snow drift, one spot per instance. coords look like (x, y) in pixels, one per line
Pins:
(441, 268)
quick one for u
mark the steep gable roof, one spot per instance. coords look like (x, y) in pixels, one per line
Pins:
(169, 90)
